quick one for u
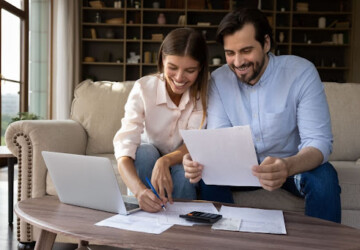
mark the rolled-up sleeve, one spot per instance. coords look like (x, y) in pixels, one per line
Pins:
(128, 138)
(313, 114)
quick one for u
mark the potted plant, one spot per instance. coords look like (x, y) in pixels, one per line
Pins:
(24, 116)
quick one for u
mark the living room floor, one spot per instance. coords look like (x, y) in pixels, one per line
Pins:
(8, 234)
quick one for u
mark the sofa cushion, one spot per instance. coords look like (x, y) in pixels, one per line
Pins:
(99, 108)
(344, 105)
(349, 176)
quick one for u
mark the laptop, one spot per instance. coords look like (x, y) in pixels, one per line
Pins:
(88, 181)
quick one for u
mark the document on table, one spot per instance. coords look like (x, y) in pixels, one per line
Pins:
(256, 220)
(171, 215)
(157, 223)
(227, 155)
(138, 224)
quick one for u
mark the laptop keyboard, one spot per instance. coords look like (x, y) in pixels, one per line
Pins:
(131, 206)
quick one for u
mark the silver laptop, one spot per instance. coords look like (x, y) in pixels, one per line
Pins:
(87, 181)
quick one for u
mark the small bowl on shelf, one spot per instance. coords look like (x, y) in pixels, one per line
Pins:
(89, 59)
(97, 4)
(118, 20)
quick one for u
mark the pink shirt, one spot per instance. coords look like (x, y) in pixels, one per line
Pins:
(152, 117)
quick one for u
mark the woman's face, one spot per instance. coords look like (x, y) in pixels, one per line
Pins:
(180, 73)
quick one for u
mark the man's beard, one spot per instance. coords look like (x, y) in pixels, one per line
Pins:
(257, 70)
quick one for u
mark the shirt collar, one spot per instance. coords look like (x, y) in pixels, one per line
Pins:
(268, 70)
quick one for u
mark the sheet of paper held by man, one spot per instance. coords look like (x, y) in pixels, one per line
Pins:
(227, 155)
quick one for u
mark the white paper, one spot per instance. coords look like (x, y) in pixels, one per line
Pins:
(229, 224)
(157, 223)
(171, 215)
(256, 220)
(134, 224)
(227, 155)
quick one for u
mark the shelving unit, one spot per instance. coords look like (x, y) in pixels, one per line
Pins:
(304, 37)
(114, 42)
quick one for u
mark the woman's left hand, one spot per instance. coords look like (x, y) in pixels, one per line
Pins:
(161, 178)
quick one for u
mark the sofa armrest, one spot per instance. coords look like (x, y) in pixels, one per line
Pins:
(27, 139)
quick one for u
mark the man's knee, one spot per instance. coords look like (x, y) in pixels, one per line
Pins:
(322, 179)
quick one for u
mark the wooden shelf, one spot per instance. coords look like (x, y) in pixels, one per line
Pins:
(327, 13)
(107, 40)
(296, 26)
(103, 24)
(103, 63)
(163, 25)
(332, 68)
(207, 11)
(163, 10)
(319, 45)
(103, 9)
(320, 29)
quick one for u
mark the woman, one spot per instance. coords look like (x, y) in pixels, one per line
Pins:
(149, 144)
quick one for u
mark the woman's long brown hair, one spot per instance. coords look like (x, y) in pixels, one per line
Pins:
(189, 42)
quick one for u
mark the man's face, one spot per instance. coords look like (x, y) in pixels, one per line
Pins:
(245, 55)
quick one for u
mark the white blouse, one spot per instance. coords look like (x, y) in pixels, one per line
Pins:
(152, 117)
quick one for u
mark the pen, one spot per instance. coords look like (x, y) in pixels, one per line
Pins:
(154, 191)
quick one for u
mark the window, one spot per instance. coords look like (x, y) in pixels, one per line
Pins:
(14, 58)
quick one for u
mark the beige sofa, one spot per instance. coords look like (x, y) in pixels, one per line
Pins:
(96, 115)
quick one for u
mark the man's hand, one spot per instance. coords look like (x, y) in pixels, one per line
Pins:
(193, 170)
(272, 173)
(161, 179)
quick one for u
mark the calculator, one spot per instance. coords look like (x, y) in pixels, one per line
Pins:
(201, 217)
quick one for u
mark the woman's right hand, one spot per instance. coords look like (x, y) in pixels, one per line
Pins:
(149, 202)
(193, 170)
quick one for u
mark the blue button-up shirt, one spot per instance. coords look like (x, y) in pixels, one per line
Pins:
(286, 110)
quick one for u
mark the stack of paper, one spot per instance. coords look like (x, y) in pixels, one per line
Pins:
(234, 219)
(158, 222)
(251, 220)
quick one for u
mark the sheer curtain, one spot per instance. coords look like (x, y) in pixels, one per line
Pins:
(65, 66)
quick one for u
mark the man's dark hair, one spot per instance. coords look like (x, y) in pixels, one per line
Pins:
(236, 20)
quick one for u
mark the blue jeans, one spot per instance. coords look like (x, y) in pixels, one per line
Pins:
(320, 188)
(146, 157)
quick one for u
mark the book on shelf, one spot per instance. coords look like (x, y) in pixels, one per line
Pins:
(203, 23)
(157, 37)
(182, 20)
(345, 24)
(93, 33)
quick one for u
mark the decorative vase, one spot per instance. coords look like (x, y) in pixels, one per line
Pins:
(156, 5)
(322, 22)
(281, 37)
(161, 19)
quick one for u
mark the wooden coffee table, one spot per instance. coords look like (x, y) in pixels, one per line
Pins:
(303, 232)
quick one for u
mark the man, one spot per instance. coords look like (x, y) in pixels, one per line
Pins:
(282, 99)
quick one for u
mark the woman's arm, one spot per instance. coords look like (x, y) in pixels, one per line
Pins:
(161, 177)
(126, 142)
